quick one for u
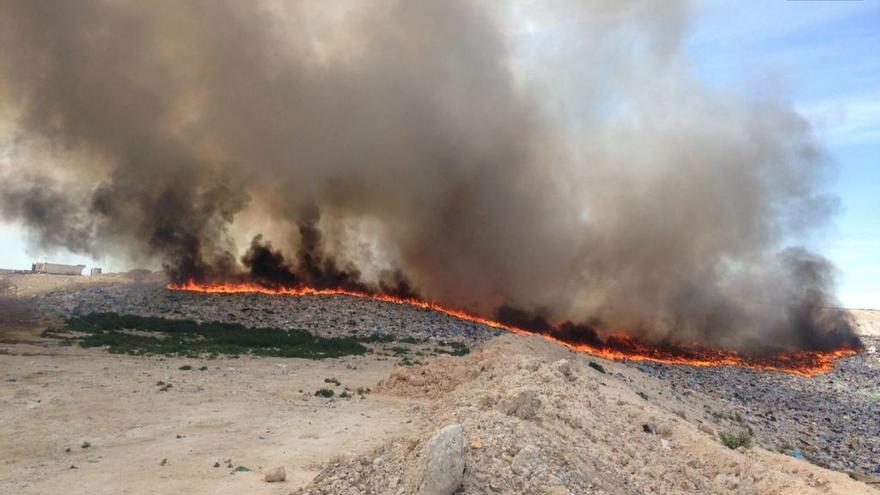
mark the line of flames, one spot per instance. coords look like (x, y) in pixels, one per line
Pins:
(805, 363)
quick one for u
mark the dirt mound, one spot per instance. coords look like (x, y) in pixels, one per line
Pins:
(866, 321)
(443, 375)
(538, 419)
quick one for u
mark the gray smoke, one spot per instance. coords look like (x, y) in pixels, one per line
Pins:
(581, 175)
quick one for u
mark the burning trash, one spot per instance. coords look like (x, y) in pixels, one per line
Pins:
(802, 362)
(432, 163)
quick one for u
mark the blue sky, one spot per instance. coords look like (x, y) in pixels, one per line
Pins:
(822, 55)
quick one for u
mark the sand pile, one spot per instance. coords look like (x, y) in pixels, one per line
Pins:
(537, 419)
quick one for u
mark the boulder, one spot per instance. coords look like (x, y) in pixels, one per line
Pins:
(443, 467)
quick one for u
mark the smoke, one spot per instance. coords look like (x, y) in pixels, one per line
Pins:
(461, 149)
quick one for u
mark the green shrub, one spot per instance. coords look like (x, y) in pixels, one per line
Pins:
(377, 339)
(596, 366)
(735, 440)
(324, 392)
(455, 348)
(162, 336)
(406, 361)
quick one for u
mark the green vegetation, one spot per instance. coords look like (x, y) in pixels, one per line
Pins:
(377, 339)
(596, 366)
(642, 395)
(406, 361)
(324, 392)
(139, 335)
(333, 380)
(455, 348)
(185, 367)
(734, 441)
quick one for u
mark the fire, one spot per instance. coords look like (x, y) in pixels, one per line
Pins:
(616, 347)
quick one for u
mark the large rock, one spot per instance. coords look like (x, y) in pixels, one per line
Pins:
(444, 462)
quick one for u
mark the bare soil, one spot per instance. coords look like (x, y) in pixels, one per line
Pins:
(257, 412)
(84, 421)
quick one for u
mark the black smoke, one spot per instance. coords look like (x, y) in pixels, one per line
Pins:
(437, 148)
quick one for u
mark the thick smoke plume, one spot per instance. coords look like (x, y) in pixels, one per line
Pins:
(560, 159)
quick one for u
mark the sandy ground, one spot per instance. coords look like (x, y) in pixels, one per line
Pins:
(867, 321)
(261, 413)
(256, 412)
(539, 420)
(18, 285)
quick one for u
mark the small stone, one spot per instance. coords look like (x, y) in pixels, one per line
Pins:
(525, 461)
(275, 475)
(476, 444)
(216, 464)
(163, 461)
(85, 445)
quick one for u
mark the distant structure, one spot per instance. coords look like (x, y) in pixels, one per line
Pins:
(95, 271)
(57, 268)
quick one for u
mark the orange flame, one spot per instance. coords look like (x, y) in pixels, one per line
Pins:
(805, 363)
